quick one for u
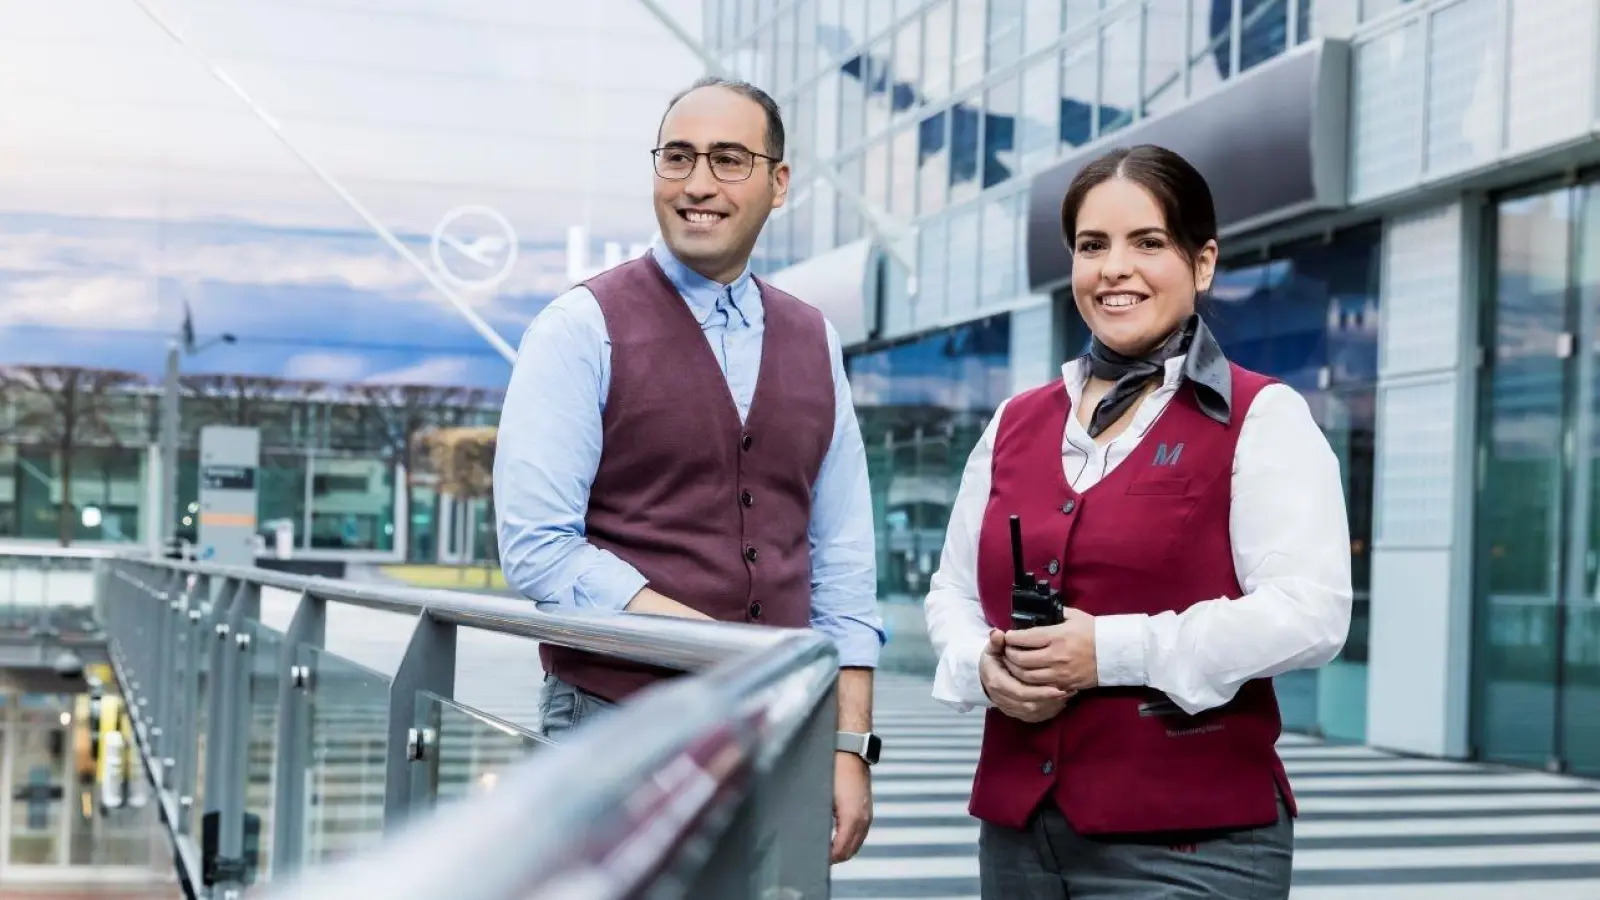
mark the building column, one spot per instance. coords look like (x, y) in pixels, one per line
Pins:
(1035, 345)
(1421, 636)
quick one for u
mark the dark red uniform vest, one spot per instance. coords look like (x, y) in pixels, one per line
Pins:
(714, 513)
(1152, 536)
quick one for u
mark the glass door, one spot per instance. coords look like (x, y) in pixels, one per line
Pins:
(1578, 739)
(1538, 534)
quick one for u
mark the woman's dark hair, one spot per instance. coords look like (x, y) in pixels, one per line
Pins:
(1179, 190)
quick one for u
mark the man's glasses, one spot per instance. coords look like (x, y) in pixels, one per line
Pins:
(729, 165)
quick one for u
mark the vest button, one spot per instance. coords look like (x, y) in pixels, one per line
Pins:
(746, 441)
(746, 499)
(1054, 567)
(755, 610)
(750, 553)
(1069, 506)
(1048, 767)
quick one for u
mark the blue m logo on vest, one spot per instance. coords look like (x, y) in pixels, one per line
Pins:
(1163, 458)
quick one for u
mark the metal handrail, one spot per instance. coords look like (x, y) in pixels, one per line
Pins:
(674, 769)
(746, 736)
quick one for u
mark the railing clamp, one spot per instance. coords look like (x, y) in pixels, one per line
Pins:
(418, 743)
(194, 615)
(222, 631)
(300, 677)
(243, 640)
(227, 869)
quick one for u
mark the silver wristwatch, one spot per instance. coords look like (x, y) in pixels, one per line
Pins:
(863, 744)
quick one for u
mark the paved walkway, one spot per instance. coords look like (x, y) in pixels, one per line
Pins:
(1373, 826)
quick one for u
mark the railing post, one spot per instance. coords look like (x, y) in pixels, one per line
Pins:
(307, 628)
(159, 679)
(216, 697)
(428, 665)
(185, 734)
(227, 869)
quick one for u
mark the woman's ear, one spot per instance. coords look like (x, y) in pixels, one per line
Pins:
(1205, 267)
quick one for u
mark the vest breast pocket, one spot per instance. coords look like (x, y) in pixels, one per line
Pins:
(1160, 486)
(1153, 518)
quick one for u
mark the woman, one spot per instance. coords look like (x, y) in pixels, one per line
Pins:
(1191, 514)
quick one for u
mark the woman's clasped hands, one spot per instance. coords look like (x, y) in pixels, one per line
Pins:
(1030, 674)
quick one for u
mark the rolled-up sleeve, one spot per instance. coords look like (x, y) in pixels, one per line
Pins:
(548, 449)
(844, 576)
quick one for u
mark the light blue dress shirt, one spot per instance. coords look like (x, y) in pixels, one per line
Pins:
(549, 448)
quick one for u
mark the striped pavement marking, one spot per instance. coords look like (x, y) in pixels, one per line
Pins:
(1372, 824)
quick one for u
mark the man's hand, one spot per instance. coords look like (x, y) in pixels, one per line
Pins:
(1021, 701)
(852, 806)
(1059, 656)
(653, 603)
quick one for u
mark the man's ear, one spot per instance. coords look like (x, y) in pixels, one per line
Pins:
(780, 184)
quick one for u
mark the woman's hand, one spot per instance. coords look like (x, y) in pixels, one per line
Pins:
(1021, 701)
(1058, 656)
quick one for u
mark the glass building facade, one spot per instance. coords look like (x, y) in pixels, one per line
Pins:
(1439, 317)
(936, 115)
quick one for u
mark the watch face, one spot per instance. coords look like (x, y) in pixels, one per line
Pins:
(874, 747)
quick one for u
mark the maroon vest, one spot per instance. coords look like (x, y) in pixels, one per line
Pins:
(712, 513)
(1152, 536)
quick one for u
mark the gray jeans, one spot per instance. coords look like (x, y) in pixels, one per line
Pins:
(1047, 860)
(563, 707)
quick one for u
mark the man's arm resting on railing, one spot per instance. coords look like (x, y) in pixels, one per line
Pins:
(548, 448)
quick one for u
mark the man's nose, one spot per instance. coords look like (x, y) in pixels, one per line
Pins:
(701, 183)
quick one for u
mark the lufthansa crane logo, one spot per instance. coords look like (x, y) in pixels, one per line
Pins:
(474, 246)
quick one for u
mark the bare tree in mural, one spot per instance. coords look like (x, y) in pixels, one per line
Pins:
(74, 410)
(464, 459)
(403, 411)
(241, 399)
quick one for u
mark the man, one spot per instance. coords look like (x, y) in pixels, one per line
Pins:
(678, 439)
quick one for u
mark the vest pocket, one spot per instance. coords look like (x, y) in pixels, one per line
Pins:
(1160, 486)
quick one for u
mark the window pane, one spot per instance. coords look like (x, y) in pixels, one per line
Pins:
(1080, 79)
(1037, 127)
(970, 20)
(937, 37)
(1000, 132)
(352, 504)
(933, 154)
(966, 125)
(1005, 33)
(1043, 21)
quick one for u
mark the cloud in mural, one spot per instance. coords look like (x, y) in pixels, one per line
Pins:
(337, 306)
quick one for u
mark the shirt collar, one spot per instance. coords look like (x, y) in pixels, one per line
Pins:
(1204, 365)
(702, 294)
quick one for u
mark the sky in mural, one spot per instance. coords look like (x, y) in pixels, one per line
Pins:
(134, 183)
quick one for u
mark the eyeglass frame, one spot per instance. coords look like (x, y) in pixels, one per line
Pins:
(720, 147)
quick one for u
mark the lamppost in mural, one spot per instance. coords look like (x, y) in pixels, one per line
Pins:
(182, 343)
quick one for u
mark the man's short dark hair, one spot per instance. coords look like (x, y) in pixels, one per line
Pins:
(775, 137)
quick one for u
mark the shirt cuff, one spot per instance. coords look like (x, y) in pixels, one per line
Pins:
(608, 587)
(1119, 650)
(859, 643)
(956, 682)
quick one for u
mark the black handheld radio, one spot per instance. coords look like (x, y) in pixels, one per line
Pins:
(1033, 601)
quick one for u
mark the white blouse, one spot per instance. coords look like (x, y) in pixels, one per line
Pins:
(1291, 552)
